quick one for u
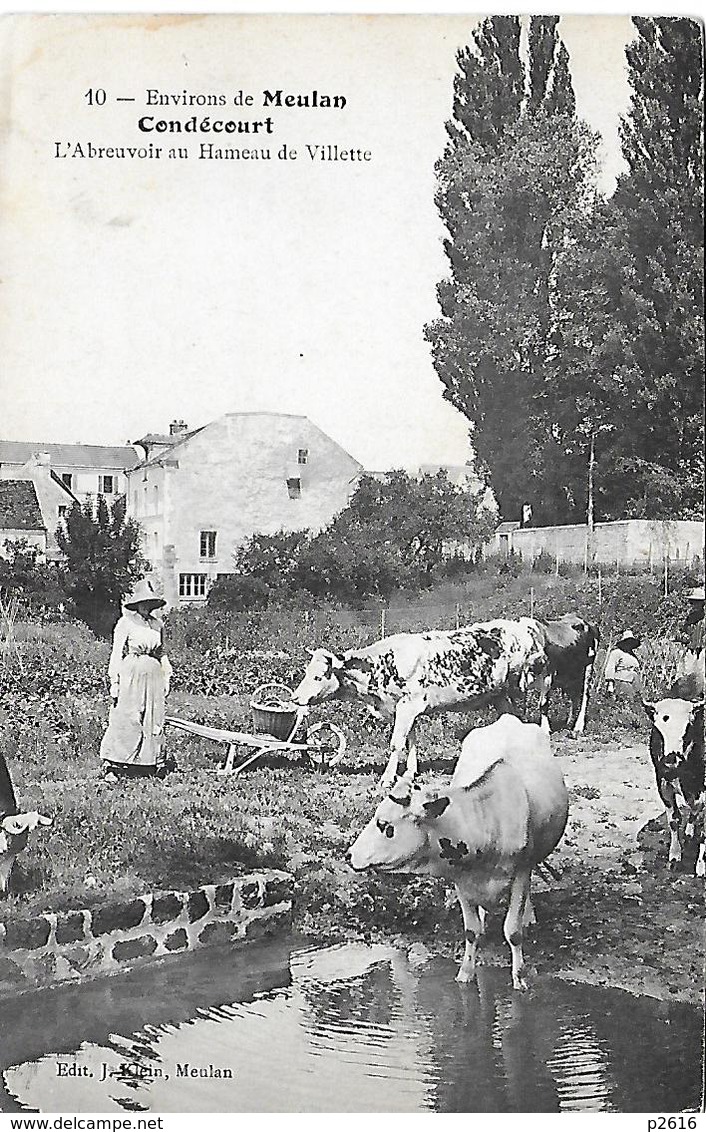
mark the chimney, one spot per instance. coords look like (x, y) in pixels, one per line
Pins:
(177, 428)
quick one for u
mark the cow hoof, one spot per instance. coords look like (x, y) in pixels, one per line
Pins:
(700, 870)
(673, 864)
(520, 984)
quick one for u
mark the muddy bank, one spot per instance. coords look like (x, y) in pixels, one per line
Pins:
(617, 916)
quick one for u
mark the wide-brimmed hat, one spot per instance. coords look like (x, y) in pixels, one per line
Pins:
(629, 638)
(697, 594)
(144, 593)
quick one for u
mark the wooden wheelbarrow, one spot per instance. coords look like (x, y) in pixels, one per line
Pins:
(281, 726)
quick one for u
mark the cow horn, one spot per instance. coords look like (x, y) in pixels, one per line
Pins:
(14, 824)
(436, 807)
(19, 823)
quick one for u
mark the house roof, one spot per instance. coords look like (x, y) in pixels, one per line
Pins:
(19, 506)
(70, 455)
(183, 437)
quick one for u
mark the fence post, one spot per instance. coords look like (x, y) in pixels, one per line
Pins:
(600, 587)
(306, 623)
(382, 622)
(458, 615)
(666, 574)
(531, 601)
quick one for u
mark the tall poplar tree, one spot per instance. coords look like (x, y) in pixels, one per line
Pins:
(660, 211)
(515, 181)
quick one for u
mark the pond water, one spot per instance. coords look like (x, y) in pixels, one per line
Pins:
(347, 1028)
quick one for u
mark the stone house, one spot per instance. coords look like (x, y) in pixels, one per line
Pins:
(199, 494)
(87, 470)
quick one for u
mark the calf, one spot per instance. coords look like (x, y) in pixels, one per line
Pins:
(570, 644)
(14, 827)
(504, 813)
(677, 753)
(406, 676)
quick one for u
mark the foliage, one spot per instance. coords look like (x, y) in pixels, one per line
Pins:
(659, 208)
(396, 532)
(39, 586)
(571, 325)
(103, 560)
(515, 183)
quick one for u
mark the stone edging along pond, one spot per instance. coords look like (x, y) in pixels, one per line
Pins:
(61, 947)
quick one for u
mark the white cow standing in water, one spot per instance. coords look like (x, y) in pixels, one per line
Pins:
(503, 813)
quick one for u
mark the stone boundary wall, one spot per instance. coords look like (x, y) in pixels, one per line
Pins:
(623, 542)
(61, 947)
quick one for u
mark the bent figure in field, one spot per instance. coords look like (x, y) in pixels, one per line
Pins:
(503, 814)
(140, 674)
(622, 670)
(695, 627)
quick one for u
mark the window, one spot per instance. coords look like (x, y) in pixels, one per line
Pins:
(294, 487)
(303, 457)
(67, 479)
(106, 485)
(62, 511)
(208, 544)
(192, 585)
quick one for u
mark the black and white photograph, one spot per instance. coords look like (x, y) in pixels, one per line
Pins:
(352, 565)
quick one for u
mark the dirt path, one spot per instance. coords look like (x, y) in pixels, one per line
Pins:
(629, 922)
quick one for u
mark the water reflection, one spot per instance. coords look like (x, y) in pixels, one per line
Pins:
(347, 1028)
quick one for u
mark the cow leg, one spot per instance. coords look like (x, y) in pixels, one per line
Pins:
(669, 796)
(6, 863)
(580, 722)
(695, 821)
(545, 687)
(406, 713)
(411, 768)
(474, 926)
(513, 926)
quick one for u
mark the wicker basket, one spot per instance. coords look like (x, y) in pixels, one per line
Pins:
(270, 714)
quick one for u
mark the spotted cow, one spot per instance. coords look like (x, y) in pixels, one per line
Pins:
(677, 753)
(408, 675)
(503, 813)
(570, 644)
(14, 826)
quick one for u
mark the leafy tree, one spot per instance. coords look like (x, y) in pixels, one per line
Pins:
(515, 182)
(396, 532)
(103, 560)
(659, 209)
(40, 586)
(627, 294)
(266, 572)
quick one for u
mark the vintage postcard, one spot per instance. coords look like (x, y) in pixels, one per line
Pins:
(351, 564)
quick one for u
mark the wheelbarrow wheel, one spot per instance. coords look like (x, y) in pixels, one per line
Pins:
(326, 745)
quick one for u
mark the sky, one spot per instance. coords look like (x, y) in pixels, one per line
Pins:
(138, 292)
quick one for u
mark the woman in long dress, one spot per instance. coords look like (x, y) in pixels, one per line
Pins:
(140, 674)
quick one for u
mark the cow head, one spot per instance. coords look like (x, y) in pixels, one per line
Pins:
(14, 829)
(397, 837)
(321, 678)
(676, 722)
